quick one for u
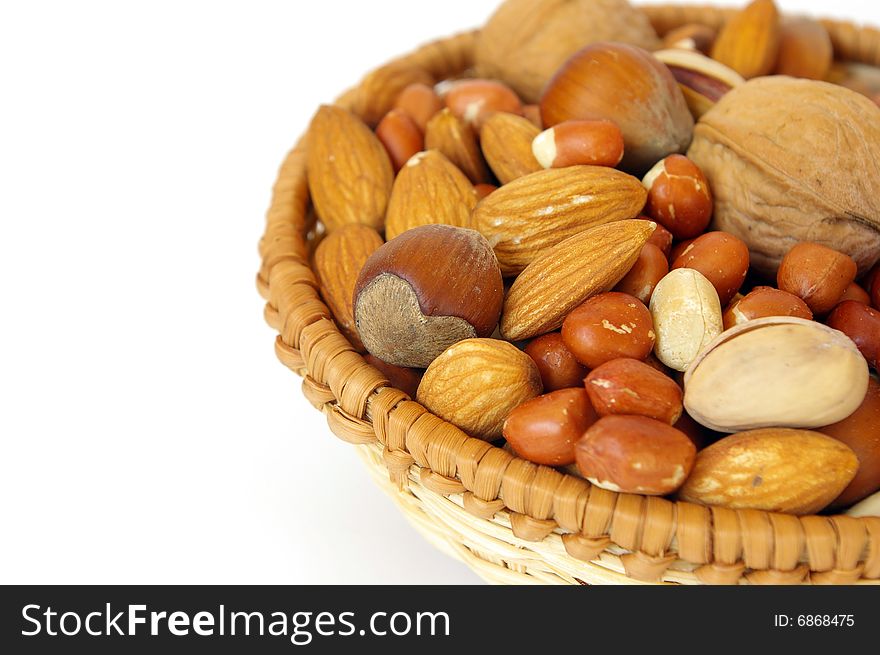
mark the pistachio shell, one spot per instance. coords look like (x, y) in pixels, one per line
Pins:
(779, 371)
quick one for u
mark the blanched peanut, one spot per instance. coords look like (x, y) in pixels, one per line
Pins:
(594, 143)
(687, 316)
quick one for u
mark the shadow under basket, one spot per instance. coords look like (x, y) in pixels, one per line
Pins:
(510, 520)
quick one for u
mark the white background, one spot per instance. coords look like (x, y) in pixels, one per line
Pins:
(149, 435)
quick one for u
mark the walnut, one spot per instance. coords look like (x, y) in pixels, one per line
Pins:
(526, 41)
(794, 160)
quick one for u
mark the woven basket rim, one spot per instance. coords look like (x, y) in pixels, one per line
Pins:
(650, 539)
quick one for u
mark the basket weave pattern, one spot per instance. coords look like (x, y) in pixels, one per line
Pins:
(510, 520)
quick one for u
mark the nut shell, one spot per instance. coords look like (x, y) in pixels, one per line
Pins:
(779, 371)
(526, 41)
(780, 176)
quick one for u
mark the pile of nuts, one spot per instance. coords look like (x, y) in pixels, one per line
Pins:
(627, 278)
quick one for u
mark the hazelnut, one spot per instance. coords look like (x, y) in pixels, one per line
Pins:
(424, 290)
(545, 429)
(816, 274)
(805, 49)
(628, 386)
(679, 198)
(721, 258)
(608, 326)
(476, 383)
(626, 84)
(558, 366)
(635, 454)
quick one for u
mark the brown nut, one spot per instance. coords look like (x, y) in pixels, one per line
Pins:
(526, 41)
(450, 135)
(609, 326)
(506, 142)
(596, 143)
(692, 36)
(662, 238)
(400, 136)
(860, 323)
(533, 113)
(687, 317)
(680, 247)
(873, 285)
(774, 469)
(430, 287)
(475, 100)
(476, 383)
(804, 49)
(420, 102)
(816, 274)
(645, 275)
(405, 379)
(429, 190)
(630, 387)
(861, 432)
(545, 429)
(339, 258)
(558, 366)
(749, 41)
(721, 258)
(628, 85)
(699, 435)
(857, 293)
(679, 198)
(635, 454)
(762, 302)
(703, 81)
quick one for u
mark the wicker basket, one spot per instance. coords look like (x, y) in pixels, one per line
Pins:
(510, 520)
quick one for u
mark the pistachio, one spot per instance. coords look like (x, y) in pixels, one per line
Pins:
(779, 371)
(702, 80)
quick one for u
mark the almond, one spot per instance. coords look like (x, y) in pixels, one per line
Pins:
(338, 261)
(349, 172)
(774, 469)
(749, 42)
(450, 135)
(526, 217)
(565, 275)
(506, 140)
(429, 190)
